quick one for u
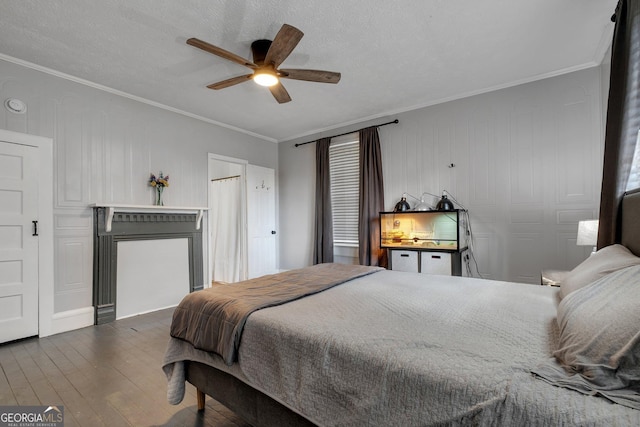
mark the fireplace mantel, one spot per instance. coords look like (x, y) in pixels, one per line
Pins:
(112, 208)
(115, 223)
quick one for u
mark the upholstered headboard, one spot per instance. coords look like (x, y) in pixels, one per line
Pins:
(631, 221)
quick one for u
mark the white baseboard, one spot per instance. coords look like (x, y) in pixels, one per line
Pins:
(146, 311)
(70, 320)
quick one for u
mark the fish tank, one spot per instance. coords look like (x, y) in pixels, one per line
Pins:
(423, 230)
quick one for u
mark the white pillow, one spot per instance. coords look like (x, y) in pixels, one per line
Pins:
(605, 261)
(599, 348)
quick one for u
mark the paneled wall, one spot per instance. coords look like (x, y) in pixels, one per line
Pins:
(105, 147)
(526, 161)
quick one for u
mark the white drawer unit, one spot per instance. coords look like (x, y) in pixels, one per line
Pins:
(404, 261)
(435, 263)
(445, 263)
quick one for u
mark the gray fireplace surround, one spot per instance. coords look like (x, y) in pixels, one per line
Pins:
(111, 226)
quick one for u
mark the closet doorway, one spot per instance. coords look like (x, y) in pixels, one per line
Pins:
(227, 219)
(242, 220)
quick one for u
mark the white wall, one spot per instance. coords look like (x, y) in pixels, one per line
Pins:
(105, 147)
(528, 164)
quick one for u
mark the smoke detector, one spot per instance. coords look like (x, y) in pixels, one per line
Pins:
(15, 106)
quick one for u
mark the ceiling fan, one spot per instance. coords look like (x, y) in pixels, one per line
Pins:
(267, 57)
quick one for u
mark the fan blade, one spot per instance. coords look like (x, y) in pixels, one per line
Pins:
(284, 42)
(311, 75)
(230, 82)
(280, 93)
(218, 51)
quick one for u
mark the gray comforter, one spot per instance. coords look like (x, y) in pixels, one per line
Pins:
(213, 319)
(407, 349)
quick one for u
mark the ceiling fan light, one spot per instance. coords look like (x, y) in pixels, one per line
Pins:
(265, 78)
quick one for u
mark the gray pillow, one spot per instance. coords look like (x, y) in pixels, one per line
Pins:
(605, 261)
(599, 349)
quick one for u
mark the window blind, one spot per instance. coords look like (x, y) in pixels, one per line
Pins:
(345, 186)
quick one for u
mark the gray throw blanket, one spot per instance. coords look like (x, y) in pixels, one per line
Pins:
(213, 319)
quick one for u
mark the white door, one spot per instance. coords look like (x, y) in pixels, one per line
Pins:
(261, 221)
(18, 245)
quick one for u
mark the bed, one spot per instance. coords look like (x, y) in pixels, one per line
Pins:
(395, 348)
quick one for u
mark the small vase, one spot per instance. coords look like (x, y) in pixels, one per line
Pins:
(159, 190)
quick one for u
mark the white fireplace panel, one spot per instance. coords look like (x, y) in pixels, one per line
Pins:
(151, 275)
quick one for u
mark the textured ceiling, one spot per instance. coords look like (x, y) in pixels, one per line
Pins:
(393, 55)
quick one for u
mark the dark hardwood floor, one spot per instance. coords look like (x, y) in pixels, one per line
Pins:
(106, 375)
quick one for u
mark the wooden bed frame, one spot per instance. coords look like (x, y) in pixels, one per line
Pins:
(259, 409)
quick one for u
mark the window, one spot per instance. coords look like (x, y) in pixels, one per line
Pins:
(345, 188)
(634, 173)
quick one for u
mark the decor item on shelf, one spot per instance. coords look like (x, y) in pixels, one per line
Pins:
(445, 204)
(402, 205)
(159, 184)
(422, 205)
(588, 234)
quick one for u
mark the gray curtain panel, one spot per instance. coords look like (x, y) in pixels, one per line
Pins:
(371, 199)
(323, 245)
(623, 118)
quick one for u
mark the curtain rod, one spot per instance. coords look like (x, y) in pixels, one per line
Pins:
(347, 133)
(226, 177)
